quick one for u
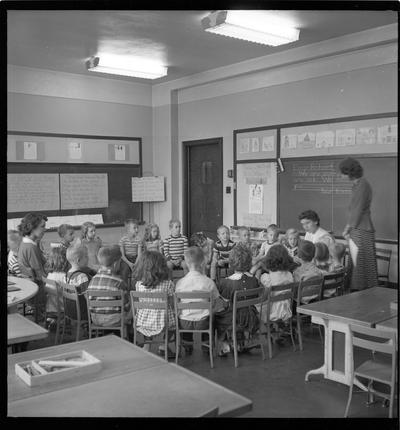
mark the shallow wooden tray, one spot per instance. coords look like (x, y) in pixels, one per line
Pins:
(45, 375)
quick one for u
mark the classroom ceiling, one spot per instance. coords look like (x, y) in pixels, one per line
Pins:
(63, 40)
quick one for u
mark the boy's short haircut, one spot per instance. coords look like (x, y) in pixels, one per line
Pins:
(243, 228)
(76, 253)
(131, 221)
(14, 236)
(321, 252)
(108, 255)
(63, 228)
(174, 221)
(339, 250)
(275, 229)
(194, 256)
(311, 215)
(222, 227)
(306, 250)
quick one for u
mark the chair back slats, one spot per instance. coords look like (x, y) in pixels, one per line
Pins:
(387, 345)
(240, 299)
(161, 303)
(104, 293)
(192, 295)
(104, 303)
(279, 293)
(202, 300)
(55, 291)
(149, 305)
(333, 281)
(148, 295)
(383, 254)
(310, 287)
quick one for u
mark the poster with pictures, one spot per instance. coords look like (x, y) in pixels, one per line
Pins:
(120, 153)
(256, 192)
(268, 143)
(75, 150)
(255, 144)
(366, 136)
(324, 139)
(306, 140)
(387, 135)
(30, 151)
(244, 145)
(290, 141)
(346, 137)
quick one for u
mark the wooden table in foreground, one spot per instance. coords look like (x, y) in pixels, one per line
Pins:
(388, 325)
(20, 329)
(131, 383)
(366, 308)
(27, 289)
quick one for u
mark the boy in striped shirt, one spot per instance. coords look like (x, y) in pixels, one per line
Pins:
(13, 242)
(130, 244)
(174, 247)
(222, 248)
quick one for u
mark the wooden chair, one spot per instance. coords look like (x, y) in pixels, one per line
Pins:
(104, 298)
(55, 292)
(374, 370)
(310, 287)
(332, 285)
(200, 300)
(212, 413)
(157, 300)
(384, 255)
(276, 294)
(70, 296)
(243, 299)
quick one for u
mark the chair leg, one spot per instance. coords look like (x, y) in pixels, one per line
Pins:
(63, 330)
(177, 345)
(391, 404)
(211, 349)
(166, 345)
(261, 344)
(57, 330)
(269, 340)
(299, 332)
(346, 412)
(291, 334)
(78, 329)
(235, 353)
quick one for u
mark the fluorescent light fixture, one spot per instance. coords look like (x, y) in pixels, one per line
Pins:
(251, 25)
(121, 65)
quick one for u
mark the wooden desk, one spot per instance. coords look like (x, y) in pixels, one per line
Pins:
(132, 383)
(27, 290)
(20, 329)
(366, 308)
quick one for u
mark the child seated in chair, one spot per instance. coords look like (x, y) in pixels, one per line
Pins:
(174, 247)
(258, 262)
(247, 318)
(337, 251)
(56, 266)
(206, 245)
(66, 233)
(322, 258)
(195, 280)
(222, 249)
(13, 242)
(106, 279)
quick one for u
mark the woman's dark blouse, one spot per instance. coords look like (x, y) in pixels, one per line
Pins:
(359, 210)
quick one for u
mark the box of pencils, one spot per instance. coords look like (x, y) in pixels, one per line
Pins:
(57, 368)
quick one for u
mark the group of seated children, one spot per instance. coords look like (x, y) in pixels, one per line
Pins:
(85, 264)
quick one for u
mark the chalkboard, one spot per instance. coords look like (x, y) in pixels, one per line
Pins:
(312, 183)
(120, 205)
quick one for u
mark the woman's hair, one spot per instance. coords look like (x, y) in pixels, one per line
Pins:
(85, 227)
(311, 215)
(306, 250)
(151, 269)
(57, 260)
(198, 239)
(321, 252)
(63, 228)
(29, 222)
(147, 232)
(278, 258)
(351, 167)
(240, 258)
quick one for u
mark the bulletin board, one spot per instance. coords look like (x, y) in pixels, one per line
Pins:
(256, 144)
(148, 189)
(306, 168)
(77, 175)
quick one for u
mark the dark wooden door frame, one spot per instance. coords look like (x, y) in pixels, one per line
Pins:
(186, 146)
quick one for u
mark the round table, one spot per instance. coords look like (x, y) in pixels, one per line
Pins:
(27, 290)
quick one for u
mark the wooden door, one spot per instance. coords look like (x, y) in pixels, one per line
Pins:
(203, 191)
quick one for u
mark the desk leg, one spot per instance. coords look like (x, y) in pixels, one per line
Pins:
(323, 370)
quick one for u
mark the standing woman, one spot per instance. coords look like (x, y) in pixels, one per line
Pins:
(359, 230)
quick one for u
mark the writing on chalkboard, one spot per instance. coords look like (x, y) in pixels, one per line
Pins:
(319, 176)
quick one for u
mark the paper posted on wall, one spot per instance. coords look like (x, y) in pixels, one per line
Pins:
(256, 194)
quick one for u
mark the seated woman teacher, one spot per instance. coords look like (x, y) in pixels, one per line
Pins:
(359, 230)
(309, 220)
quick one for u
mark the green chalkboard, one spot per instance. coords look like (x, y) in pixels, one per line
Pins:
(120, 205)
(315, 183)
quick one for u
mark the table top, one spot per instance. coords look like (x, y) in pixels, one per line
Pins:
(388, 325)
(153, 386)
(366, 307)
(27, 290)
(20, 329)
